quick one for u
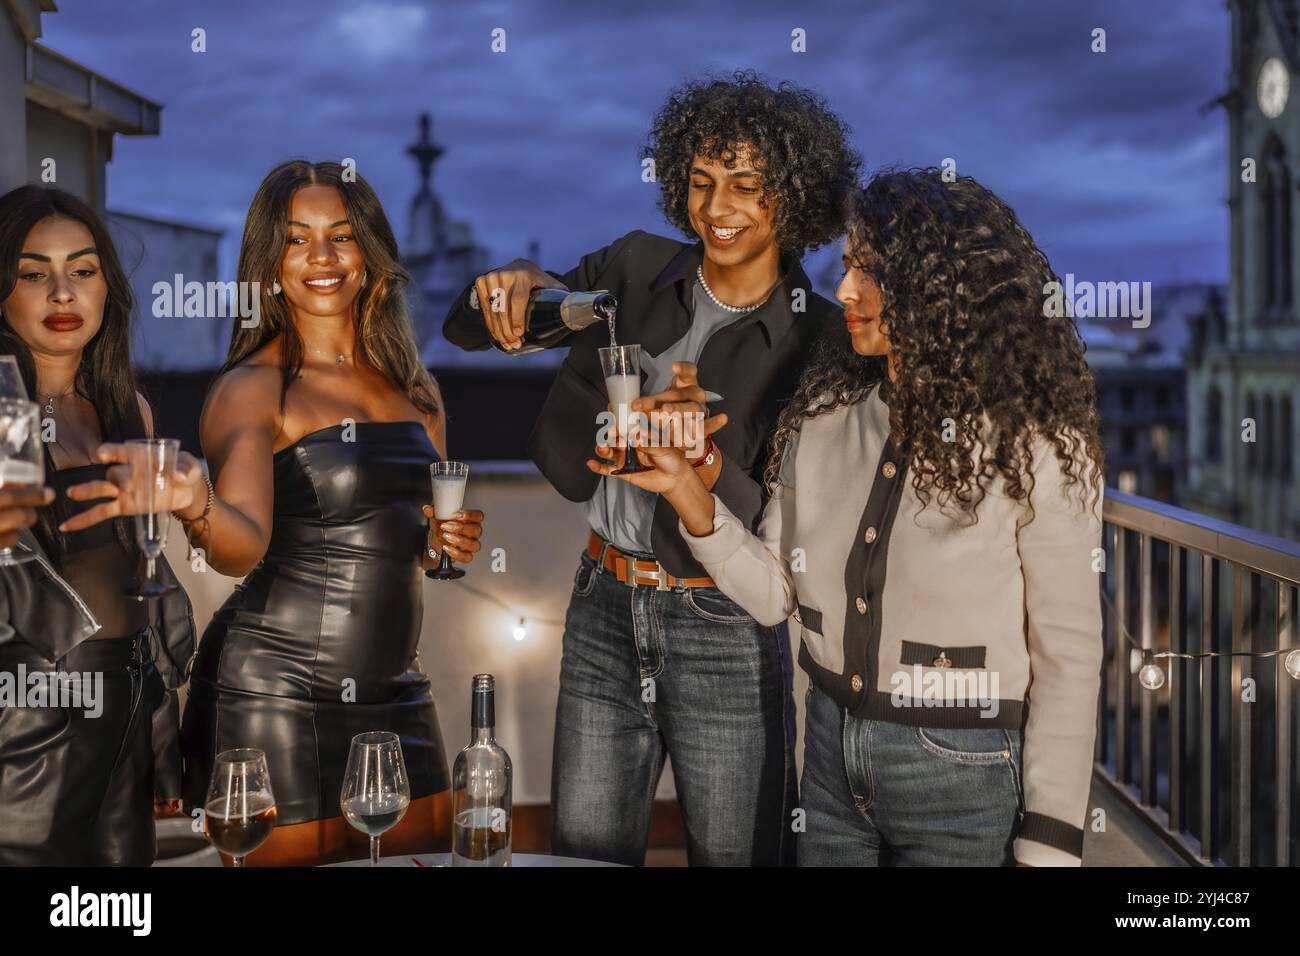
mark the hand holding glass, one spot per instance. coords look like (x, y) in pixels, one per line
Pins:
(449, 479)
(621, 366)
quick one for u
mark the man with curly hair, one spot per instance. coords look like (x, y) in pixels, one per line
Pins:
(657, 661)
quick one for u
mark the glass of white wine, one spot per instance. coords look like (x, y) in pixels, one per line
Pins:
(376, 791)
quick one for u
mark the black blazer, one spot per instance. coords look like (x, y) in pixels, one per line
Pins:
(754, 363)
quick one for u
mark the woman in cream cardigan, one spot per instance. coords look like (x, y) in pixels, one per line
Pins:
(934, 528)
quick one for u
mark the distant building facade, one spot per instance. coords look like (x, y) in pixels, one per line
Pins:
(1244, 363)
(58, 120)
(157, 251)
(439, 252)
(58, 117)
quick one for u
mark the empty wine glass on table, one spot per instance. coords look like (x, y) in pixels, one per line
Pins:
(621, 366)
(22, 458)
(376, 791)
(449, 479)
(240, 811)
(152, 464)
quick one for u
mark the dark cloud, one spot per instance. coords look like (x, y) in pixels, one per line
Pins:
(1105, 156)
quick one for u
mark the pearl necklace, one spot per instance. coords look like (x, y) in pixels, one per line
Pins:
(737, 309)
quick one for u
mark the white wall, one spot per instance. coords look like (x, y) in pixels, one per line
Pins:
(465, 635)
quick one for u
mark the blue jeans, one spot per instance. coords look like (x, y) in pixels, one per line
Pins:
(686, 674)
(879, 793)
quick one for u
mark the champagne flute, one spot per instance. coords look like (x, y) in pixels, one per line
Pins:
(449, 479)
(240, 811)
(22, 457)
(621, 366)
(376, 791)
(152, 462)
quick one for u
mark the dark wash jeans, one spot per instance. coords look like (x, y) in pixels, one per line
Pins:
(683, 673)
(879, 793)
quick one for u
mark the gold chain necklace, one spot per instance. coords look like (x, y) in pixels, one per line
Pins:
(339, 357)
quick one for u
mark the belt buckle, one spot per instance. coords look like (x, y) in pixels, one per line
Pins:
(658, 575)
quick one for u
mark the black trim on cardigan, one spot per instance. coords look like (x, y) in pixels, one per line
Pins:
(864, 577)
(1052, 832)
(876, 705)
(810, 618)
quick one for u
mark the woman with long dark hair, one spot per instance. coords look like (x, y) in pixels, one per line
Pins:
(934, 529)
(77, 788)
(319, 430)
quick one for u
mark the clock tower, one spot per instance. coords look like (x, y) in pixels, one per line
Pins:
(1243, 370)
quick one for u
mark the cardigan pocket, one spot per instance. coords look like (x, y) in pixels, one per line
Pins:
(963, 657)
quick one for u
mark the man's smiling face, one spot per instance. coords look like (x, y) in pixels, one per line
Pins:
(724, 209)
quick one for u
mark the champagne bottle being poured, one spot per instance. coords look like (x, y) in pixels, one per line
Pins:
(553, 314)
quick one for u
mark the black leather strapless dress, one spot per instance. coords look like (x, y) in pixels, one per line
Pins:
(320, 641)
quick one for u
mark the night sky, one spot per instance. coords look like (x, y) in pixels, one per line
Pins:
(1105, 156)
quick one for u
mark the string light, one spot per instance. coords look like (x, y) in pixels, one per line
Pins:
(1142, 660)
(1150, 675)
(520, 631)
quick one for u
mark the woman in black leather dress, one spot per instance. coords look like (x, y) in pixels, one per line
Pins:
(319, 432)
(78, 787)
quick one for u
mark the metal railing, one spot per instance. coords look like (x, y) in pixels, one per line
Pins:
(1211, 605)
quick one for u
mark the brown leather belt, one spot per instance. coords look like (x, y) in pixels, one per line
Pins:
(637, 571)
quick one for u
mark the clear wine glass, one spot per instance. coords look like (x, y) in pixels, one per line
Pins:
(621, 366)
(376, 791)
(240, 811)
(22, 458)
(152, 462)
(449, 479)
(11, 379)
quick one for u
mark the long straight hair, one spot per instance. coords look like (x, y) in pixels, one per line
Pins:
(384, 338)
(105, 376)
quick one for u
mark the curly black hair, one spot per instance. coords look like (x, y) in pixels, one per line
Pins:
(799, 146)
(963, 291)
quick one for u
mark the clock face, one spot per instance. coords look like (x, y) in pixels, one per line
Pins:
(1272, 88)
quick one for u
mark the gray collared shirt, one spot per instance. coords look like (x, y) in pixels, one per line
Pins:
(621, 513)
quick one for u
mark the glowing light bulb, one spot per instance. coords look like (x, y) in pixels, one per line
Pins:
(1151, 676)
(1292, 662)
(520, 632)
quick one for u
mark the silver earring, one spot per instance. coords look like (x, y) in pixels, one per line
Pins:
(275, 287)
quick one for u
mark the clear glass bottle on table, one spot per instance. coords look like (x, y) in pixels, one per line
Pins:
(481, 783)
